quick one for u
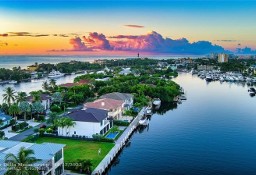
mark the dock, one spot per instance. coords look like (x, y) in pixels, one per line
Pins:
(119, 144)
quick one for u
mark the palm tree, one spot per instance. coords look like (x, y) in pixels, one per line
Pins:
(22, 96)
(53, 118)
(61, 123)
(25, 108)
(84, 165)
(36, 95)
(53, 83)
(9, 95)
(69, 123)
(45, 86)
(14, 110)
(21, 164)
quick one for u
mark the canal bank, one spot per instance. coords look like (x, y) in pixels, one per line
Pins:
(213, 132)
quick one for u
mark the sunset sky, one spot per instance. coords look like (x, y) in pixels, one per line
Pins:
(121, 27)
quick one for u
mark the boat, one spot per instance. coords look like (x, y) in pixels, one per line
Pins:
(143, 121)
(183, 97)
(36, 80)
(156, 101)
(55, 74)
(148, 111)
(208, 78)
(12, 82)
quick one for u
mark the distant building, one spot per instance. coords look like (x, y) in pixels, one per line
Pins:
(125, 97)
(125, 71)
(114, 107)
(205, 67)
(32, 68)
(50, 155)
(88, 122)
(222, 58)
(80, 83)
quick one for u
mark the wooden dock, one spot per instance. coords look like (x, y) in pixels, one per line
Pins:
(119, 144)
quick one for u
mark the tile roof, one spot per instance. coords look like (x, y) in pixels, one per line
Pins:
(118, 96)
(43, 97)
(81, 82)
(104, 103)
(89, 115)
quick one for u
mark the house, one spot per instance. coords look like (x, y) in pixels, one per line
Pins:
(114, 107)
(45, 100)
(125, 97)
(80, 83)
(88, 122)
(125, 71)
(5, 119)
(50, 155)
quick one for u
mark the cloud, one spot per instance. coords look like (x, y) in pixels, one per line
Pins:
(246, 51)
(3, 44)
(26, 34)
(150, 42)
(4, 35)
(227, 40)
(134, 26)
(97, 41)
(78, 45)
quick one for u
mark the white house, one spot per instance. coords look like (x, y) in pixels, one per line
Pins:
(88, 122)
(125, 97)
(50, 155)
(125, 71)
(45, 100)
(114, 107)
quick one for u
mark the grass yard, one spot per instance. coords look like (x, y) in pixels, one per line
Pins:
(79, 149)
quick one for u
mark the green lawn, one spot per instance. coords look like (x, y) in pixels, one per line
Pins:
(79, 149)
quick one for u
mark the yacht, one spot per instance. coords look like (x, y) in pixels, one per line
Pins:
(55, 74)
(208, 78)
(143, 121)
(12, 82)
(148, 111)
(156, 101)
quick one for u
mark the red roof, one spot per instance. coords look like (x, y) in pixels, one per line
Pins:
(105, 103)
(81, 82)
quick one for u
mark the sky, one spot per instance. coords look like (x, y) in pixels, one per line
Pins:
(120, 27)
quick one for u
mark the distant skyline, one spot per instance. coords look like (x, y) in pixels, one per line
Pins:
(112, 27)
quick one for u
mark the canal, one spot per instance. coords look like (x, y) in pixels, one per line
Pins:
(213, 132)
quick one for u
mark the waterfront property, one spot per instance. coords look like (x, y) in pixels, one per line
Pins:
(45, 100)
(125, 97)
(5, 119)
(50, 155)
(88, 122)
(80, 149)
(80, 83)
(114, 107)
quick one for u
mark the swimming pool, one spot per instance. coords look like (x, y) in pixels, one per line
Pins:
(112, 135)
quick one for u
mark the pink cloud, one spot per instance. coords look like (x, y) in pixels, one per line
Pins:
(78, 45)
(97, 41)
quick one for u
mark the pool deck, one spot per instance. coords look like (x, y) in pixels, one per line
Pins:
(119, 144)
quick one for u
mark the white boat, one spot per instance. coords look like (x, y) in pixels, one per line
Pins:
(12, 82)
(183, 97)
(208, 78)
(36, 80)
(55, 74)
(156, 101)
(148, 112)
(143, 121)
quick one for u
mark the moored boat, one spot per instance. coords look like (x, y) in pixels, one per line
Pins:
(55, 74)
(156, 101)
(12, 82)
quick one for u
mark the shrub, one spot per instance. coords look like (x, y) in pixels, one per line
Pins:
(41, 118)
(55, 108)
(36, 130)
(120, 123)
(16, 127)
(2, 134)
(12, 122)
(41, 131)
(23, 125)
(49, 130)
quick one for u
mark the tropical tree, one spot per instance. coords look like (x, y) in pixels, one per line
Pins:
(9, 95)
(22, 163)
(4, 107)
(37, 108)
(45, 86)
(21, 96)
(25, 108)
(36, 95)
(57, 97)
(14, 110)
(53, 118)
(52, 83)
(69, 124)
(84, 165)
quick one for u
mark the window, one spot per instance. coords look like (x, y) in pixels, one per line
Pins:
(74, 132)
(58, 156)
(59, 170)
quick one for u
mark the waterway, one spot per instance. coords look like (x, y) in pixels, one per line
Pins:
(212, 133)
